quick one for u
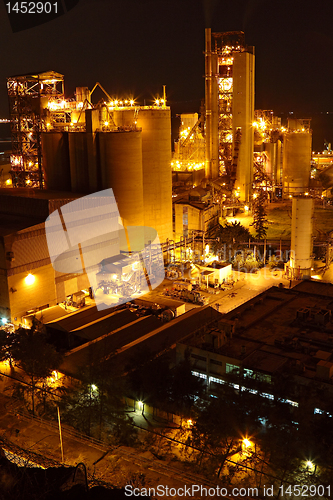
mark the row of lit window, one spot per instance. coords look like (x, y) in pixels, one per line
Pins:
(242, 388)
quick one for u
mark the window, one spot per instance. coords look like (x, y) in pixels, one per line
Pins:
(231, 368)
(200, 358)
(216, 380)
(266, 395)
(215, 362)
(199, 375)
(290, 402)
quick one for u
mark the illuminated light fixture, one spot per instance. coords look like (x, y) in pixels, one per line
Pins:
(246, 208)
(237, 194)
(106, 123)
(116, 102)
(94, 387)
(306, 194)
(131, 102)
(140, 403)
(189, 423)
(48, 125)
(157, 102)
(30, 279)
(4, 321)
(247, 443)
(114, 276)
(8, 182)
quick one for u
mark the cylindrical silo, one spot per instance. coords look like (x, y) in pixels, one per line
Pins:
(301, 236)
(82, 94)
(273, 152)
(79, 162)
(270, 150)
(156, 160)
(56, 166)
(157, 177)
(120, 156)
(296, 162)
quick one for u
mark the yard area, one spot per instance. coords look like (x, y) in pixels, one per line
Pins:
(279, 220)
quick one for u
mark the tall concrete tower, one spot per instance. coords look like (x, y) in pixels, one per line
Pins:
(229, 66)
(301, 259)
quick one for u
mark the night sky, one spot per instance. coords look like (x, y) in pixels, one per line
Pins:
(136, 46)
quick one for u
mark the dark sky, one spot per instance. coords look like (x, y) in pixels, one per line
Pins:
(139, 45)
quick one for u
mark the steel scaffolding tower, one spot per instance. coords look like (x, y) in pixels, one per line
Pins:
(28, 96)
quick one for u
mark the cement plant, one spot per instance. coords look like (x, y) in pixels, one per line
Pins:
(219, 285)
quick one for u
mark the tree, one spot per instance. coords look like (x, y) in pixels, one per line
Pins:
(260, 215)
(223, 420)
(229, 238)
(95, 405)
(37, 358)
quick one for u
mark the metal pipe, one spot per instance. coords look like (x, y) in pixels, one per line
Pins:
(208, 95)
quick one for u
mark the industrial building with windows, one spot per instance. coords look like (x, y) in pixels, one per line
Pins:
(280, 331)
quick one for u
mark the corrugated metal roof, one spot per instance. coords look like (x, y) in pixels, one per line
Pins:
(109, 344)
(91, 323)
(146, 334)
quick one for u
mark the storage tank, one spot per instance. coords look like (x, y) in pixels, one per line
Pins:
(296, 162)
(80, 160)
(301, 237)
(273, 152)
(82, 94)
(55, 151)
(120, 156)
(156, 160)
(242, 124)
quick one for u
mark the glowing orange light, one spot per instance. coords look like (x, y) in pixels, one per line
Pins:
(30, 279)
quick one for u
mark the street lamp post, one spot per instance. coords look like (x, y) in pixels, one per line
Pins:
(60, 436)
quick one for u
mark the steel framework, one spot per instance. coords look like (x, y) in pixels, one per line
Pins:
(225, 44)
(28, 95)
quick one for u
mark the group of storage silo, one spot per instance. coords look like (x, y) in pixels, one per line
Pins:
(133, 159)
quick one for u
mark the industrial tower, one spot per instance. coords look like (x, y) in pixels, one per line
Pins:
(28, 96)
(229, 75)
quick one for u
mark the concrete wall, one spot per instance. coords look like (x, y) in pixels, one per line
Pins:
(24, 296)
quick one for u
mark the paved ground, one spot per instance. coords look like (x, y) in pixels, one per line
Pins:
(246, 286)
